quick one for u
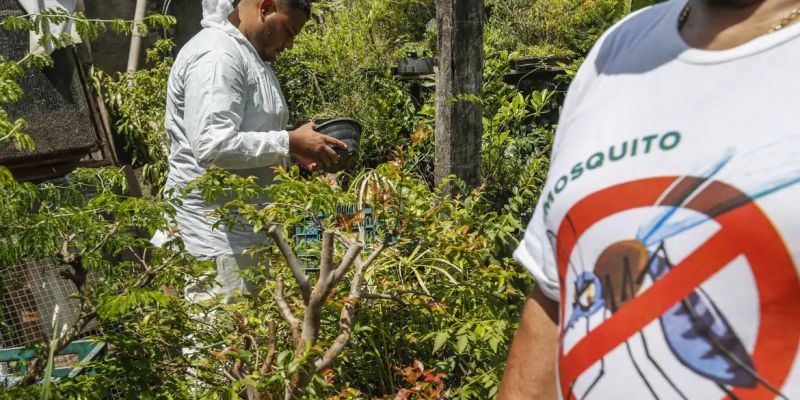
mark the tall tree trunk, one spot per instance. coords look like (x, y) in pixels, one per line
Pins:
(458, 120)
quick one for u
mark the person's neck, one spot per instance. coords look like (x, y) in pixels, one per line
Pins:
(725, 24)
(236, 20)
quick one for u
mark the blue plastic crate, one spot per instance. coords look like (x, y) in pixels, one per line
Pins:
(307, 233)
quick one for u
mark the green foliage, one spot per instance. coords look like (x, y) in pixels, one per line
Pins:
(453, 301)
(88, 29)
(445, 296)
(136, 103)
(553, 28)
(340, 65)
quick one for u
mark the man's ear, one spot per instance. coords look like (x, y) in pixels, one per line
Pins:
(267, 7)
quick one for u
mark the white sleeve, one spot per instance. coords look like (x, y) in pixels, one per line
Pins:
(215, 103)
(536, 255)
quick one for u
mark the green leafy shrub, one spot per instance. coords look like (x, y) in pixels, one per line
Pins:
(136, 103)
(440, 301)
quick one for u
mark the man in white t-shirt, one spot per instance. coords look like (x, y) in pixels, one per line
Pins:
(225, 108)
(666, 244)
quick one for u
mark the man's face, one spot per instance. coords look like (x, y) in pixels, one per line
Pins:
(275, 29)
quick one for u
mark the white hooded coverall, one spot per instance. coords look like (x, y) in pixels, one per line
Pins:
(225, 108)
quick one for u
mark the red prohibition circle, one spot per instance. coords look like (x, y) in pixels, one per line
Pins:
(744, 231)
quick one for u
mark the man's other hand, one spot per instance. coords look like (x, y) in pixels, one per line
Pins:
(310, 147)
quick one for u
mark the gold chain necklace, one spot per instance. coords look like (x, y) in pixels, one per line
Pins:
(776, 27)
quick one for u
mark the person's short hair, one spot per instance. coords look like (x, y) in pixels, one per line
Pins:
(300, 5)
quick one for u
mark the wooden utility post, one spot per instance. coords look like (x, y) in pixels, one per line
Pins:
(459, 123)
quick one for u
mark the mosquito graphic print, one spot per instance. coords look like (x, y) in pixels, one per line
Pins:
(696, 330)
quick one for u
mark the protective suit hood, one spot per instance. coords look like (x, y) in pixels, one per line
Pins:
(216, 12)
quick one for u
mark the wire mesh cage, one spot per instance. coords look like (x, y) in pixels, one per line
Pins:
(31, 292)
(54, 103)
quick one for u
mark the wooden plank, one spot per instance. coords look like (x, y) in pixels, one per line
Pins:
(459, 124)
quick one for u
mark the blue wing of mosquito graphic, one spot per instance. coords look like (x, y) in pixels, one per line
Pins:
(667, 230)
(701, 338)
(696, 331)
(664, 226)
(662, 220)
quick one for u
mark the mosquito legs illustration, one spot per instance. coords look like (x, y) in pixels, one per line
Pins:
(602, 367)
(639, 370)
(658, 367)
(741, 364)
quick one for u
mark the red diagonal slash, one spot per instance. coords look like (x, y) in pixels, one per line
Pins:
(637, 313)
(744, 231)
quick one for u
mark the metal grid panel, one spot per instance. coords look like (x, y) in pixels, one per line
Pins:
(33, 289)
(54, 103)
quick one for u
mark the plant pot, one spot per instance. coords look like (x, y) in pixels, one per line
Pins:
(348, 131)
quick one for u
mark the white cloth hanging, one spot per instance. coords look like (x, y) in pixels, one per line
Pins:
(68, 27)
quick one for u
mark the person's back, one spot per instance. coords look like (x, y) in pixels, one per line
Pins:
(666, 230)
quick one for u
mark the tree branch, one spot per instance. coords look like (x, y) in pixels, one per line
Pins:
(269, 361)
(276, 232)
(375, 296)
(286, 312)
(349, 258)
(326, 261)
(346, 316)
(377, 252)
(345, 323)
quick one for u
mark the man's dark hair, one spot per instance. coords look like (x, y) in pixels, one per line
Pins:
(300, 5)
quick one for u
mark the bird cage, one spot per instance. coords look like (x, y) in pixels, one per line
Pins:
(59, 107)
(31, 292)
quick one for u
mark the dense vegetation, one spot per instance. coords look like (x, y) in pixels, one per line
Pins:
(431, 315)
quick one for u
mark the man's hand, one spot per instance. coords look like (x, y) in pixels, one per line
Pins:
(310, 148)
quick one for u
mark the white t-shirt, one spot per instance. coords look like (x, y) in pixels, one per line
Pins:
(669, 229)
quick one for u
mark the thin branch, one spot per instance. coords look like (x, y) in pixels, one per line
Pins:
(210, 371)
(326, 261)
(228, 375)
(147, 278)
(343, 239)
(106, 237)
(376, 296)
(286, 312)
(269, 362)
(276, 232)
(349, 258)
(376, 253)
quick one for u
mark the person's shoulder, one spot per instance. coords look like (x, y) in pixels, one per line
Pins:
(641, 24)
(646, 27)
(211, 44)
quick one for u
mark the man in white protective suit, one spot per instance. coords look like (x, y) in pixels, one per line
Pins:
(225, 108)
